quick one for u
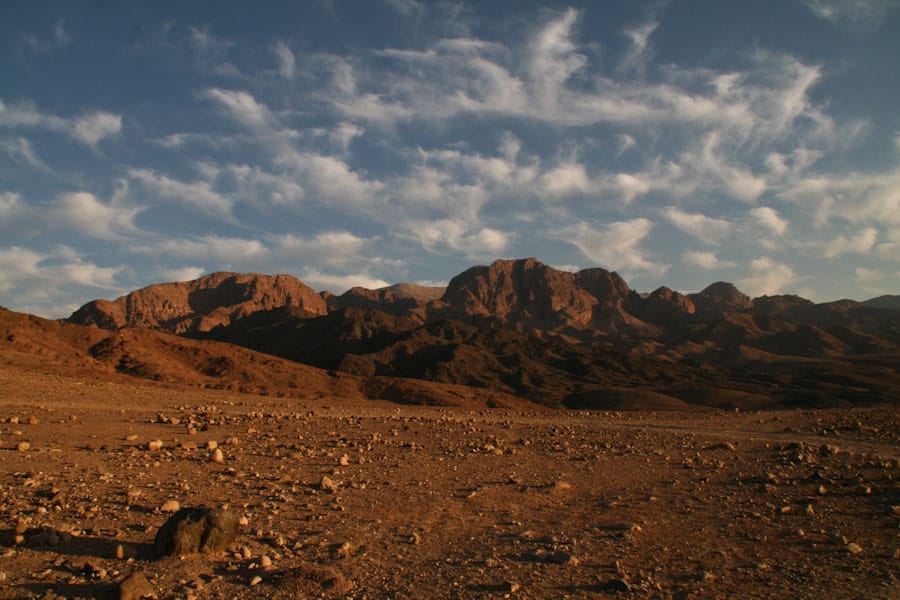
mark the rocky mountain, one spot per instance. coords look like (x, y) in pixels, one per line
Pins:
(399, 299)
(521, 327)
(196, 306)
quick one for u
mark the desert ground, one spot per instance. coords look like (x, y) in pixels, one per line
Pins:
(347, 498)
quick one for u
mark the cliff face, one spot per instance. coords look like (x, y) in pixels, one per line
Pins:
(528, 291)
(197, 306)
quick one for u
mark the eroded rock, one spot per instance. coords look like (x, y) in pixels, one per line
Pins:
(197, 529)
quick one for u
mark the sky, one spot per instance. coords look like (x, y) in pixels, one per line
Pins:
(348, 143)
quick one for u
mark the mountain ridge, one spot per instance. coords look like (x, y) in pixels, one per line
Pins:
(522, 328)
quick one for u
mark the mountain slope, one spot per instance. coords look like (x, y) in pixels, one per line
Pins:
(201, 304)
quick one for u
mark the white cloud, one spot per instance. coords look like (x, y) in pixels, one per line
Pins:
(705, 260)
(20, 151)
(286, 62)
(767, 277)
(83, 212)
(241, 106)
(199, 194)
(92, 128)
(181, 274)
(223, 252)
(211, 52)
(769, 218)
(853, 13)
(89, 129)
(332, 248)
(706, 229)
(39, 281)
(477, 243)
(615, 246)
(10, 204)
(639, 50)
(338, 284)
(861, 243)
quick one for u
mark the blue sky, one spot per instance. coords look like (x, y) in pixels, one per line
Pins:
(368, 143)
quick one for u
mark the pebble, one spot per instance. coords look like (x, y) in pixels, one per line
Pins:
(23, 446)
(854, 548)
(135, 587)
(218, 457)
(256, 580)
(154, 445)
(212, 445)
(327, 484)
(171, 506)
(265, 561)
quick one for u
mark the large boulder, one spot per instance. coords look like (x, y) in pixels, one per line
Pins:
(198, 529)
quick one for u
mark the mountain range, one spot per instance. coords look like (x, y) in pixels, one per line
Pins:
(555, 338)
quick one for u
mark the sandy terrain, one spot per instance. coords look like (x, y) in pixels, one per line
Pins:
(347, 498)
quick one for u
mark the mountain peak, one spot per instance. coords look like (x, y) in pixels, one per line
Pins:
(200, 304)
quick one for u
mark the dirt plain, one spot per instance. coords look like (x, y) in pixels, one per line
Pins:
(349, 498)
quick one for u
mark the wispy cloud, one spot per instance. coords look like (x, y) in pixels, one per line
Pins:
(767, 277)
(199, 194)
(88, 129)
(41, 280)
(704, 259)
(769, 218)
(286, 60)
(854, 14)
(705, 229)
(20, 151)
(615, 245)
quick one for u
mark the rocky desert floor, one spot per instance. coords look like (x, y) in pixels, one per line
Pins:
(352, 499)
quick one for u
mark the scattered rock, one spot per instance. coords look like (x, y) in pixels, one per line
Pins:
(308, 581)
(135, 587)
(198, 529)
(722, 446)
(327, 484)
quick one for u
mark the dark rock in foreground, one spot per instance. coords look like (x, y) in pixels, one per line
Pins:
(192, 530)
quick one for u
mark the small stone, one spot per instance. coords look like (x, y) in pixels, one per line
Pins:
(822, 490)
(256, 580)
(344, 460)
(722, 446)
(265, 561)
(170, 506)
(131, 437)
(154, 445)
(33, 420)
(561, 486)
(23, 446)
(327, 484)
(511, 587)
(246, 553)
(125, 551)
(854, 548)
(212, 445)
(135, 587)
(217, 456)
